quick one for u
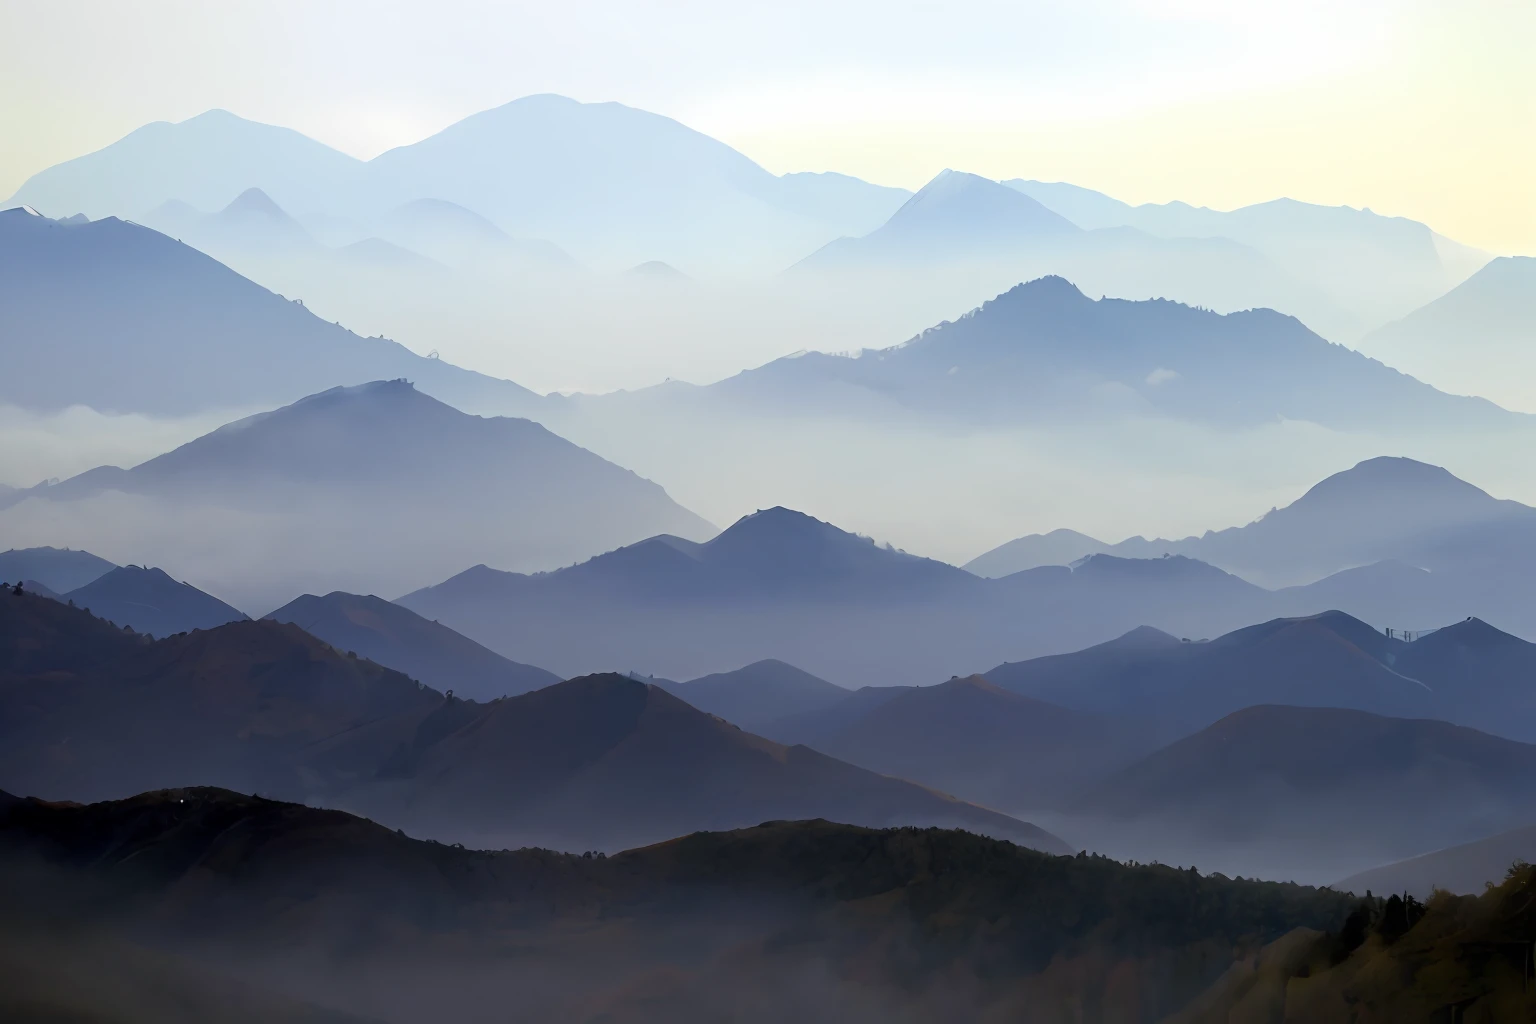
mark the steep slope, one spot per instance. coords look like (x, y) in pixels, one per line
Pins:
(205, 161)
(758, 694)
(120, 318)
(1326, 778)
(396, 636)
(319, 489)
(1045, 352)
(821, 922)
(59, 569)
(987, 744)
(1477, 339)
(148, 600)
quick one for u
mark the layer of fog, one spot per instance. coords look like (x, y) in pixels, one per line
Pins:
(35, 446)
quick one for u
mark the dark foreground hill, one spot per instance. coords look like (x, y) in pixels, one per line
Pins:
(88, 711)
(804, 920)
(1458, 958)
(393, 635)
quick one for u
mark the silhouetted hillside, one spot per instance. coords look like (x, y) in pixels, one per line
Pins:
(396, 636)
(88, 711)
(780, 584)
(123, 319)
(378, 487)
(59, 569)
(150, 601)
(817, 921)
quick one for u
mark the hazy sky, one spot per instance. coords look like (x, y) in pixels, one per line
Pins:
(1413, 107)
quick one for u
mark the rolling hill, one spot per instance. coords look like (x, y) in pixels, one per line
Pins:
(810, 920)
(1467, 868)
(396, 636)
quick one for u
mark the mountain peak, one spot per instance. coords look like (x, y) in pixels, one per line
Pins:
(254, 200)
(1393, 479)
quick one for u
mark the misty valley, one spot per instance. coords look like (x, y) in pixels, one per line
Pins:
(559, 569)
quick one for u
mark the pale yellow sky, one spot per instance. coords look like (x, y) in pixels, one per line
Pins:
(1421, 108)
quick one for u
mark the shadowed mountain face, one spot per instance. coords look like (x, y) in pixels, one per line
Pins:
(92, 712)
(1383, 508)
(759, 694)
(779, 584)
(318, 489)
(393, 635)
(149, 601)
(1323, 783)
(123, 319)
(806, 920)
(1044, 351)
(58, 569)
(1476, 339)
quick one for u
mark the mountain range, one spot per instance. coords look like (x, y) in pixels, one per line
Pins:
(1468, 673)
(120, 318)
(93, 712)
(318, 489)
(1045, 352)
(1383, 509)
(314, 912)
(611, 184)
(1379, 267)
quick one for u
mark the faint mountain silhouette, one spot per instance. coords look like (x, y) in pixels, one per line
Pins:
(59, 569)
